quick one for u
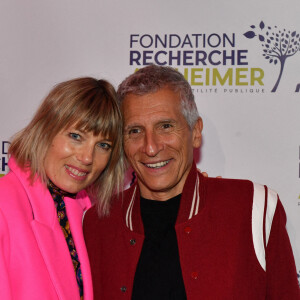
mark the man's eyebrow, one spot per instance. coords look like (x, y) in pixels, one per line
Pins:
(133, 125)
(161, 121)
(167, 121)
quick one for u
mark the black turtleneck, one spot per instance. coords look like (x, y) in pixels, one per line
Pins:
(158, 274)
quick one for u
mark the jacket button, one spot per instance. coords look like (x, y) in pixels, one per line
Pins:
(123, 289)
(132, 242)
(187, 229)
(194, 275)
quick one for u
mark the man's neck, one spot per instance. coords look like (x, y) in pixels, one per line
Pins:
(159, 195)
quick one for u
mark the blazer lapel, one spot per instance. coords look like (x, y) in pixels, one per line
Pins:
(57, 259)
(51, 241)
(75, 214)
(48, 234)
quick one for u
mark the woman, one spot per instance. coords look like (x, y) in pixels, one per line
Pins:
(69, 155)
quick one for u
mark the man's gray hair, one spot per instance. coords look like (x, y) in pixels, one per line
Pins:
(152, 78)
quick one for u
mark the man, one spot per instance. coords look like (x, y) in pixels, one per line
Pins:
(176, 234)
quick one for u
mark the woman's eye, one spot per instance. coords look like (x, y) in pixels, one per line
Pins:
(105, 146)
(74, 135)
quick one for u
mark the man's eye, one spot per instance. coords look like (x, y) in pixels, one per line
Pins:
(134, 131)
(74, 136)
(166, 126)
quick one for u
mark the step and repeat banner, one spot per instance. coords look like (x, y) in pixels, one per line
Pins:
(242, 60)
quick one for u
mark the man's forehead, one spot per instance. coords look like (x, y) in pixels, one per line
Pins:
(154, 111)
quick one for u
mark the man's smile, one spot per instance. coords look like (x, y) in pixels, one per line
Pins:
(158, 164)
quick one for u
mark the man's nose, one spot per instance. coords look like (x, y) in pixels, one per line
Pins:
(152, 144)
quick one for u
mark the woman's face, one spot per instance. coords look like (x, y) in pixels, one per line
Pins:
(75, 159)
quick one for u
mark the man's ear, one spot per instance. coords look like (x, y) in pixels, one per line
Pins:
(197, 133)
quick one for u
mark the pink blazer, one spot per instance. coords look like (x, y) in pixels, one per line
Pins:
(35, 262)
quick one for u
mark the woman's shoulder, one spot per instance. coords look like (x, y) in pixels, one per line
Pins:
(14, 182)
(9, 185)
(14, 202)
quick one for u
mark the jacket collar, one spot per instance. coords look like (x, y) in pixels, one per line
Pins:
(192, 201)
(38, 195)
(49, 236)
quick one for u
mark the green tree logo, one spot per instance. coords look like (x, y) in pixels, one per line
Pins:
(278, 45)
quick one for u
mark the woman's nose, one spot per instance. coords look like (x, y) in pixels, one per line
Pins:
(85, 155)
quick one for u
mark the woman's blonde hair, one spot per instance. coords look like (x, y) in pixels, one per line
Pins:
(89, 105)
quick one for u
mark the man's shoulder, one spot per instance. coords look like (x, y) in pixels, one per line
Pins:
(235, 186)
(92, 217)
(229, 186)
(239, 194)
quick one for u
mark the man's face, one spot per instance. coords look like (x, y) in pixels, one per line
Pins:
(158, 142)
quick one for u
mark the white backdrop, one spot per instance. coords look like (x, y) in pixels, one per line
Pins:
(249, 131)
